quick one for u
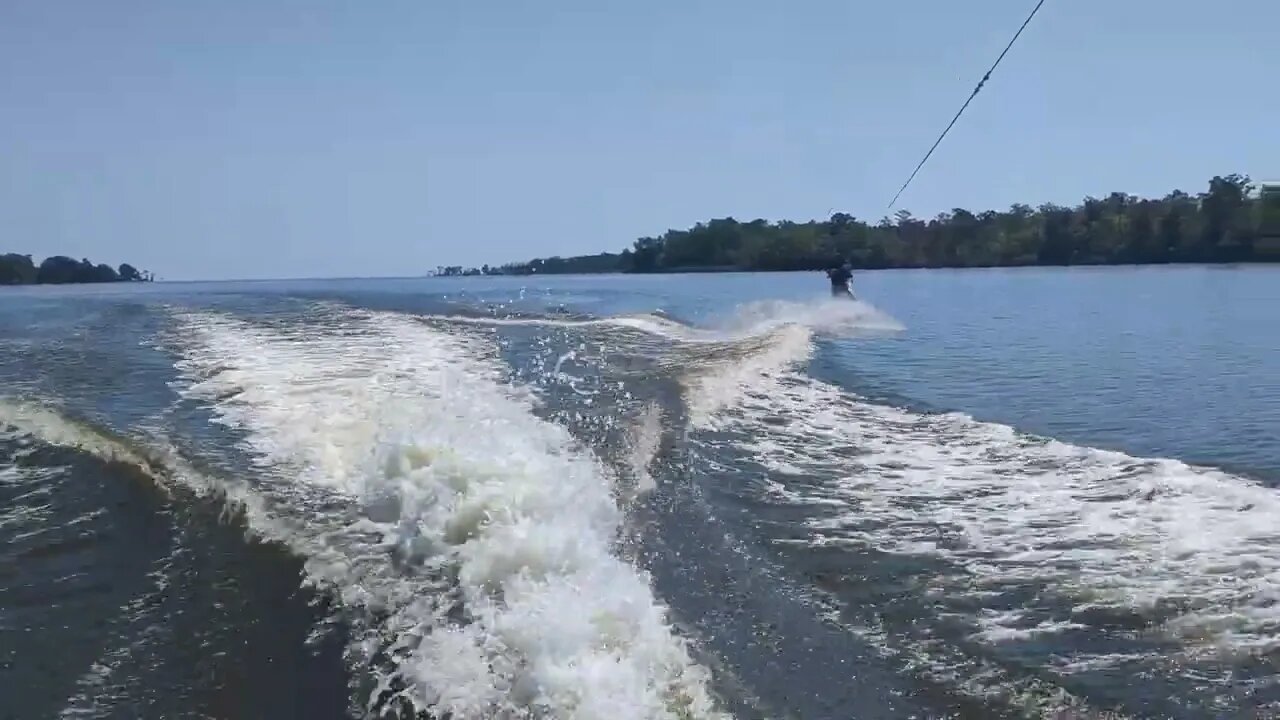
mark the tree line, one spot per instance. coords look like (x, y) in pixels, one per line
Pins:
(1232, 221)
(57, 270)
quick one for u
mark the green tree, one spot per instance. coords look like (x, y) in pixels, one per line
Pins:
(1226, 223)
(17, 269)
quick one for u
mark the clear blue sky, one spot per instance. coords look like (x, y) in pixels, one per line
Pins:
(289, 138)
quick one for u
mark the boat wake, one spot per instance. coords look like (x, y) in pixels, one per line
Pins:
(1003, 540)
(522, 516)
(476, 538)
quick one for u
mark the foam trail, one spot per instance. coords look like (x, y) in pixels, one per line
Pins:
(459, 502)
(649, 324)
(828, 316)
(50, 426)
(720, 379)
(153, 457)
(158, 461)
(716, 363)
(645, 439)
(1196, 550)
(760, 339)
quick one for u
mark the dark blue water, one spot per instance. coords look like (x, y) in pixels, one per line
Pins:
(986, 493)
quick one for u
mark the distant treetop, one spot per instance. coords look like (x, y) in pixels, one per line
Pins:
(1232, 221)
(57, 270)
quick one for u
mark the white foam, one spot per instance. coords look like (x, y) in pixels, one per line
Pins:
(829, 316)
(151, 455)
(645, 439)
(450, 471)
(1002, 626)
(713, 384)
(50, 426)
(717, 362)
(762, 338)
(1106, 530)
(646, 323)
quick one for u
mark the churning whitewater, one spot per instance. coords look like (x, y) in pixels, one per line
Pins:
(421, 488)
(325, 507)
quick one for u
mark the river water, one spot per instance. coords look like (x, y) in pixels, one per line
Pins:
(971, 494)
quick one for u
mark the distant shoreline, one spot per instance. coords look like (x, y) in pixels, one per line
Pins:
(1233, 222)
(21, 270)
(732, 270)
